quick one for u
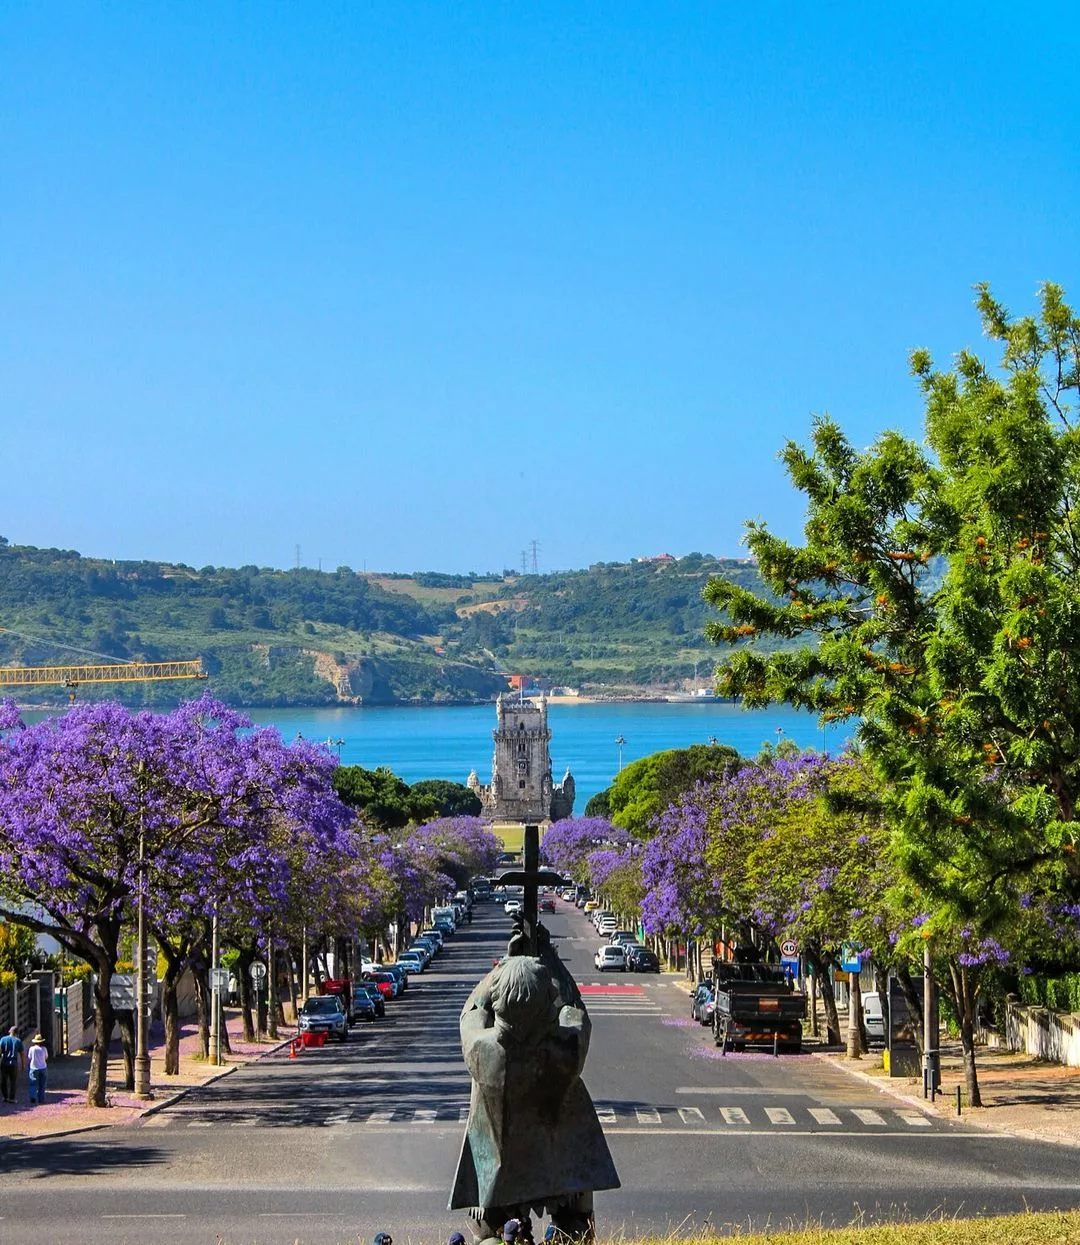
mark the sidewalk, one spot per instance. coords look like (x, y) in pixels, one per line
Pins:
(1021, 1095)
(65, 1109)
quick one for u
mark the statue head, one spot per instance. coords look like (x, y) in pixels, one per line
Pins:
(522, 996)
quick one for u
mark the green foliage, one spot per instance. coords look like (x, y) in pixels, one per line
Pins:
(599, 805)
(1060, 994)
(937, 588)
(17, 945)
(647, 786)
(380, 795)
(438, 797)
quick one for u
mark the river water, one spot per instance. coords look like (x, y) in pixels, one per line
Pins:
(448, 742)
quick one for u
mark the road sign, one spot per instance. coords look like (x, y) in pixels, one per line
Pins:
(258, 972)
(850, 960)
(219, 980)
(789, 949)
(790, 964)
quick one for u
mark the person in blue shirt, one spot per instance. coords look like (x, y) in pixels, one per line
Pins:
(11, 1060)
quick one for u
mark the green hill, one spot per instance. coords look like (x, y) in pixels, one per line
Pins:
(303, 637)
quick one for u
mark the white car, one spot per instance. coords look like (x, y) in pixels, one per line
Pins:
(606, 928)
(512, 907)
(611, 958)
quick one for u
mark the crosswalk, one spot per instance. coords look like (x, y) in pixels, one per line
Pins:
(612, 1117)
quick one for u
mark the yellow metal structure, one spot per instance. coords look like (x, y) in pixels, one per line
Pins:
(74, 676)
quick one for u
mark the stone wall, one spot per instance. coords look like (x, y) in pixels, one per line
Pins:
(1053, 1036)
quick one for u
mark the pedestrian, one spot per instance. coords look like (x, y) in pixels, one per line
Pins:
(382, 1238)
(456, 1238)
(11, 1059)
(38, 1062)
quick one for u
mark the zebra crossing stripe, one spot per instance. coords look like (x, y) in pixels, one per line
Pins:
(342, 1117)
(424, 1114)
(691, 1115)
(383, 1116)
(779, 1115)
(914, 1119)
(198, 1124)
(865, 1116)
(822, 1115)
(463, 1114)
(734, 1115)
(647, 1115)
(606, 1115)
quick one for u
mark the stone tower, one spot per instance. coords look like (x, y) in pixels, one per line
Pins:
(521, 787)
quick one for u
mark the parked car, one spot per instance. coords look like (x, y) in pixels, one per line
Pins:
(446, 927)
(412, 961)
(374, 994)
(613, 958)
(399, 974)
(606, 928)
(600, 914)
(387, 984)
(590, 905)
(623, 936)
(324, 1013)
(436, 934)
(362, 1006)
(448, 914)
(873, 1017)
(641, 960)
(702, 999)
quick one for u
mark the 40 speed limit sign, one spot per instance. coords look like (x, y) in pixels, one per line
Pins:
(789, 948)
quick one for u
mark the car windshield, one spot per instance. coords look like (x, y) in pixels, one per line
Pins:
(320, 1007)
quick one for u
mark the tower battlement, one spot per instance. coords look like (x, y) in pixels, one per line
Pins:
(521, 788)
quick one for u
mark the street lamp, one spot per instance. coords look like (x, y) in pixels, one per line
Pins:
(619, 740)
(335, 743)
(142, 1053)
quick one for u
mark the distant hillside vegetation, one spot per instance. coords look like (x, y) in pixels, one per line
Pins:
(301, 637)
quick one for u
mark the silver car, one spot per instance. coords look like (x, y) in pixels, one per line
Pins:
(325, 1013)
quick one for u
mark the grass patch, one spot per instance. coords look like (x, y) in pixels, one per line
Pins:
(513, 837)
(1050, 1228)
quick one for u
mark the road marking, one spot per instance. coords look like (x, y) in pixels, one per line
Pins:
(199, 1124)
(425, 1114)
(342, 1117)
(249, 1122)
(690, 1115)
(734, 1115)
(913, 1119)
(865, 1116)
(734, 1090)
(779, 1115)
(463, 1114)
(144, 1215)
(157, 1121)
(647, 1115)
(823, 1115)
(606, 1115)
(383, 1116)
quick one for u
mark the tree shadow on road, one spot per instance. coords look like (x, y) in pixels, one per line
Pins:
(74, 1156)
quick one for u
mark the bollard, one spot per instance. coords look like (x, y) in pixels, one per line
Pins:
(958, 1100)
(924, 1080)
(776, 1044)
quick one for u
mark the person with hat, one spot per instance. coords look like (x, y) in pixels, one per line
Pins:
(456, 1238)
(37, 1061)
(382, 1238)
(11, 1060)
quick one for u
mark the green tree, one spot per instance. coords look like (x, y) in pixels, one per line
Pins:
(938, 588)
(379, 794)
(438, 797)
(647, 786)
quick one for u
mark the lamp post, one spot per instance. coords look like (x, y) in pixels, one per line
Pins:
(335, 743)
(142, 1053)
(619, 740)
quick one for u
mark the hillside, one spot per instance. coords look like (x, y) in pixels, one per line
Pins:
(303, 637)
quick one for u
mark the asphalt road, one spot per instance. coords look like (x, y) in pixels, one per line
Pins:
(348, 1140)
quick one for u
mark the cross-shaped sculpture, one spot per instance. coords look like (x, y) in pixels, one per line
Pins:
(531, 877)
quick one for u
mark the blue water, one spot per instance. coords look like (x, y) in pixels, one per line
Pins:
(449, 742)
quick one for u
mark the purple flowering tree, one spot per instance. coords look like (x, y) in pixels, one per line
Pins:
(86, 796)
(568, 844)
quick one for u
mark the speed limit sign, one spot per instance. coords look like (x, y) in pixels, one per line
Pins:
(789, 948)
(258, 972)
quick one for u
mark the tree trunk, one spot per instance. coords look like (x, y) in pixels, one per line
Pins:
(963, 997)
(126, 1021)
(854, 1032)
(171, 1010)
(104, 1019)
(294, 994)
(817, 961)
(272, 995)
(243, 975)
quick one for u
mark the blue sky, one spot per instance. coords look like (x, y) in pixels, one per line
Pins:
(410, 286)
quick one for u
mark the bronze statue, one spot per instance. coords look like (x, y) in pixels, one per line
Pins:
(533, 1142)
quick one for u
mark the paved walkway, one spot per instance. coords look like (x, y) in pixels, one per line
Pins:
(65, 1108)
(1020, 1094)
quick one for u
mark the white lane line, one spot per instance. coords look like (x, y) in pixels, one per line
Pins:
(606, 1115)
(383, 1116)
(735, 1091)
(690, 1115)
(423, 1115)
(144, 1215)
(199, 1123)
(822, 1115)
(249, 1122)
(779, 1115)
(647, 1115)
(734, 1115)
(866, 1116)
(913, 1119)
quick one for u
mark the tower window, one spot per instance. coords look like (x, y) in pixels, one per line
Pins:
(521, 784)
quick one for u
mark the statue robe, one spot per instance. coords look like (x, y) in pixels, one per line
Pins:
(533, 1138)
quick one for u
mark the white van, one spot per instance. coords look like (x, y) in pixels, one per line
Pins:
(445, 914)
(873, 1017)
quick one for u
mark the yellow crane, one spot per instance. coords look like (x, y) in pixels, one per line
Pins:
(72, 677)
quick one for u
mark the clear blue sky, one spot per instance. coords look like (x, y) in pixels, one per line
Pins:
(411, 285)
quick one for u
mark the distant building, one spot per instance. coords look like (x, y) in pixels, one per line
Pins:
(521, 788)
